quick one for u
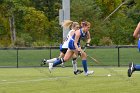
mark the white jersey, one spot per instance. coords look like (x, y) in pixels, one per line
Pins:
(66, 42)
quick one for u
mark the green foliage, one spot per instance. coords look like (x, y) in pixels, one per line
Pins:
(38, 19)
(35, 23)
(39, 43)
(105, 41)
(5, 41)
(27, 38)
(121, 32)
(107, 6)
(27, 19)
(133, 12)
(115, 28)
(20, 42)
(83, 10)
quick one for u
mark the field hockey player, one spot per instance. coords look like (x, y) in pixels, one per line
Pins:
(133, 67)
(74, 47)
(64, 47)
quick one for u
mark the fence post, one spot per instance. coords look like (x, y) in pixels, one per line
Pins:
(17, 57)
(118, 56)
(50, 52)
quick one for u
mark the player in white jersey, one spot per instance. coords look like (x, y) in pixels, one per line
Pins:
(65, 44)
(64, 47)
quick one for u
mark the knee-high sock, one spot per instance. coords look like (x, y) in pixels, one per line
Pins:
(57, 62)
(84, 63)
(137, 67)
(74, 63)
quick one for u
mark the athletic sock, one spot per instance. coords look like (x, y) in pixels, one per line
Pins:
(137, 67)
(84, 63)
(57, 62)
(74, 63)
(51, 60)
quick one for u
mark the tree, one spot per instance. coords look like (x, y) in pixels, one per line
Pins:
(35, 23)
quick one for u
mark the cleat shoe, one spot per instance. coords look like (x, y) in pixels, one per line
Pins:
(131, 69)
(129, 73)
(62, 65)
(78, 72)
(43, 62)
(50, 67)
(89, 73)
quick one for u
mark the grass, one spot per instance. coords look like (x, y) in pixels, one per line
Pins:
(62, 80)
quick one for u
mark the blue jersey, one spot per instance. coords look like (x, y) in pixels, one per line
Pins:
(71, 42)
(139, 43)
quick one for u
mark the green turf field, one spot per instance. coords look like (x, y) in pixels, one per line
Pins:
(62, 80)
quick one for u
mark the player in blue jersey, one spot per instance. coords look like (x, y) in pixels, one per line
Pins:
(139, 44)
(64, 47)
(74, 47)
(133, 67)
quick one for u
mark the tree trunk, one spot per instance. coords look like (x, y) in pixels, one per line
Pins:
(12, 29)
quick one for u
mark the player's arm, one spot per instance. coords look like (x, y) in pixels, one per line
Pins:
(137, 31)
(88, 38)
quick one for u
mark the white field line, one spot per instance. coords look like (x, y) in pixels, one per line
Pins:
(136, 72)
(51, 78)
(32, 80)
(119, 70)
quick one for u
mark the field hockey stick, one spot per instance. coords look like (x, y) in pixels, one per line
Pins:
(91, 57)
(84, 48)
(116, 9)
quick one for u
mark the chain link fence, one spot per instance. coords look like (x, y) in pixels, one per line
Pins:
(105, 55)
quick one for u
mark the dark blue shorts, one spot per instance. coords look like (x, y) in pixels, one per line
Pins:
(71, 45)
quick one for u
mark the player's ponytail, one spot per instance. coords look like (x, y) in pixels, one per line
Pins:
(70, 24)
(67, 23)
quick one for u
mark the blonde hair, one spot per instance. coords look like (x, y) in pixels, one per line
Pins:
(69, 24)
(85, 23)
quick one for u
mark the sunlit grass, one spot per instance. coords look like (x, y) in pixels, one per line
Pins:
(62, 80)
